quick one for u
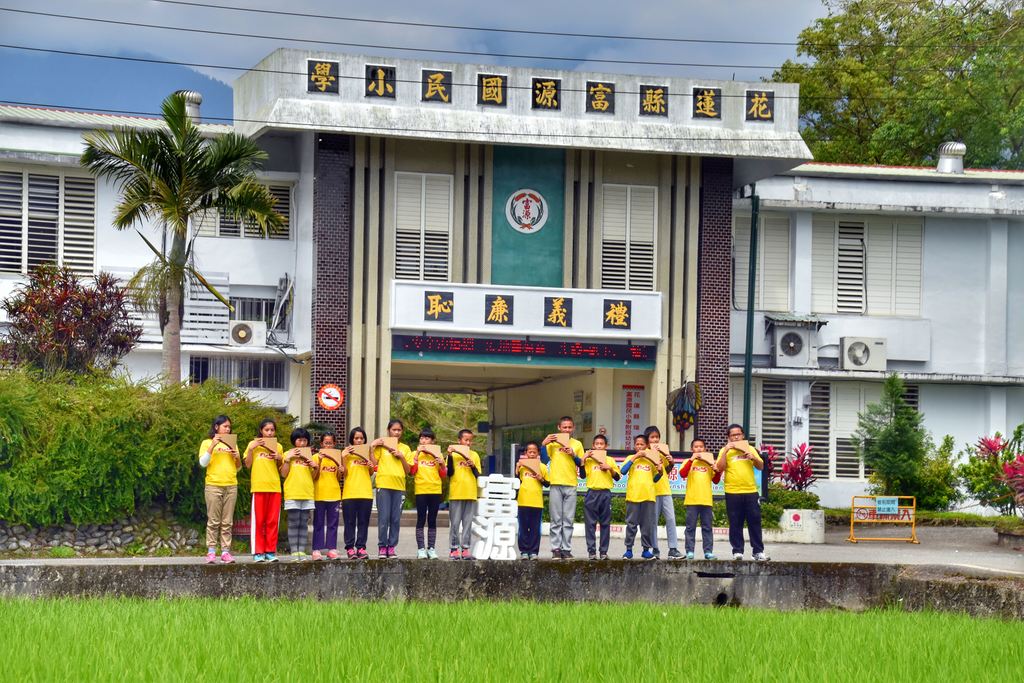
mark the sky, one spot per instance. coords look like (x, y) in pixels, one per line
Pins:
(71, 81)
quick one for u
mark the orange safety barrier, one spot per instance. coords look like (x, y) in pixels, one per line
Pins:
(883, 510)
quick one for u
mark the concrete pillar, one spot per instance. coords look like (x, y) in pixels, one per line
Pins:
(800, 263)
(996, 297)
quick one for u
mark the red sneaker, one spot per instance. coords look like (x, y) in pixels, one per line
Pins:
(361, 554)
(351, 552)
(466, 555)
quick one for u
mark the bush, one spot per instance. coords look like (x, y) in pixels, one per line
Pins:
(984, 473)
(938, 490)
(90, 449)
(787, 499)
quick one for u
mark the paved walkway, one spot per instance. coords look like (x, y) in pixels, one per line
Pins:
(969, 548)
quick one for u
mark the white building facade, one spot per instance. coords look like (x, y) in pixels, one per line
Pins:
(864, 271)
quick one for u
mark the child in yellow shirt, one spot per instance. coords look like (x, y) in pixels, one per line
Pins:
(530, 499)
(327, 501)
(597, 503)
(462, 495)
(300, 473)
(222, 462)
(265, 484)
(640, 497)
(429, 471)
(700, 474)
(738, 460)
(357, 494)
(393, 466)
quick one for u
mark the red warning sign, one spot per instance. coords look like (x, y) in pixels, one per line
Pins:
(330, 397)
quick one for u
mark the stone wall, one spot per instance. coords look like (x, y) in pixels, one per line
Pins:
(149, 533)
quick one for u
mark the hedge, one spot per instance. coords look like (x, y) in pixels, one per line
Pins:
(92, 449)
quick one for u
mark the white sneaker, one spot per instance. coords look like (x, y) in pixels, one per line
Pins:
(431, 554)
(737, 556)
(761, 557)
(421, 554)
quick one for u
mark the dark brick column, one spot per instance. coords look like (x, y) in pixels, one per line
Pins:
(332, 257)
(714, 287)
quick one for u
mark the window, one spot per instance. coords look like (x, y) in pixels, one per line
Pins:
(629, 219)
(268, 374)
(252, 308)
(771, 285)
(213, 224)
(871, 266)
(46, 218)
(423, 226)
(768, 413)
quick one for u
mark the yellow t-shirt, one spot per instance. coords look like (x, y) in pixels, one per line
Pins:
(265, 476)
(640, 482)
(739, 471)
(663, 487)
(562, 467)
(698, 483)
(598, 479)
(327, 485)
(390, 473)
(221, 469)
(531, 491)
(357, 478)
(428, 475)
(298, 485)
(462, 482)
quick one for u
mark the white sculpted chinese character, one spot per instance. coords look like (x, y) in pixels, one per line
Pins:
(496, 524)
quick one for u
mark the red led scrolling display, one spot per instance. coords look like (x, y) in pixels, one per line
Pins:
(521, 347)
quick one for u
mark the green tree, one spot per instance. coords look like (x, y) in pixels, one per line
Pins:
(445, 414)
(887, 81)
(891, 442)
(60, 323)
(170, 175)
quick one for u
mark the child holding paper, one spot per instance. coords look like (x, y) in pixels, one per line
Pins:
(300, 472)
(262, 456)
(394, 464)
(664, 505)
(463, 468)
(327, 499)
(738, 460)
(429, 469)
(533, 476)
(357, 495)
(601, 473)
(219, 455)
(700, 474)
(565, 455)
(640, 513)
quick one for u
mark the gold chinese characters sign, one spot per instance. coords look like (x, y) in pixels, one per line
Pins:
(707, 103)
(547, 93)
(322, 76)
(492, 90)
(557, 311)
(498, 309)
(437, 86)
(439, 306)
(600, 97)
(654, 100)
(380, 81)
(618, 314)
(760, 105)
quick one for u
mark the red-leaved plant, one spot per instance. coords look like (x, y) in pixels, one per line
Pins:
(1013, 475)
(797, 472)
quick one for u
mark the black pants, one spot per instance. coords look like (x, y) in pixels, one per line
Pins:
(706, 516)
(426, 513)
(597, 509)
(529, 530)
(740, 508)
(356, 512)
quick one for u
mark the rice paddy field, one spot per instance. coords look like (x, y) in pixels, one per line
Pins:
(260, 640)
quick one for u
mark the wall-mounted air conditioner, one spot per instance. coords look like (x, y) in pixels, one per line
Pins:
(250, 333)
(795, 347)
(863, 353)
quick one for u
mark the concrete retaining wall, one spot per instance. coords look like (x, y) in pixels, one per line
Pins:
(775, 585)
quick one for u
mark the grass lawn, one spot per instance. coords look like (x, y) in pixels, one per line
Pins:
(256, 640)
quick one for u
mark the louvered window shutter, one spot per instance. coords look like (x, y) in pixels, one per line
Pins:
(43, 217)
(741, 260)
(642, 226)
(773, 283)
(283, 206)
(11, 212)
(850, 268)
(847, 404)
(823, 265)
(819, 428)
(907, 286)
(879, 267)
(408, 225)
(437, 221)
(79, 246)
(614, 251)
(773, 414)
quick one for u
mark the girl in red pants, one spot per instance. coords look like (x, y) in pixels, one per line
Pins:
(263, 455)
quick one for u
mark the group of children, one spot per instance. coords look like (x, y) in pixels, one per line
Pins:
(337, 485)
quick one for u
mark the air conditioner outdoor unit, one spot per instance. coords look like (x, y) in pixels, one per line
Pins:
(863, 353)
(795, 347)
(251, 333)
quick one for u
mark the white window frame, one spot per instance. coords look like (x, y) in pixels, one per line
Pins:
(629, 241)
(741, 263)
(202, 225)
(62, 175)
(423, 179)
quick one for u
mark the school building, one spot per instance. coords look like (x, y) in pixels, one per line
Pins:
(563, 242)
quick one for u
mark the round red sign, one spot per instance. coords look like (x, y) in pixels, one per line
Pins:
(330, 397)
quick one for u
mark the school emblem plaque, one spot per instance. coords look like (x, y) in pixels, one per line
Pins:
(526, 211)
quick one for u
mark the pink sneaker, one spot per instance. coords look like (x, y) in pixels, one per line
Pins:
(317, 555)
(454, 554)
(391, 551)
(351, 552)
(332, 554)
(226, 558)
(211, 557)
(466, 555)
(361, 554)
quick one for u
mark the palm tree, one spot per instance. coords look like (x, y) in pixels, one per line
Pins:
(166, 177)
